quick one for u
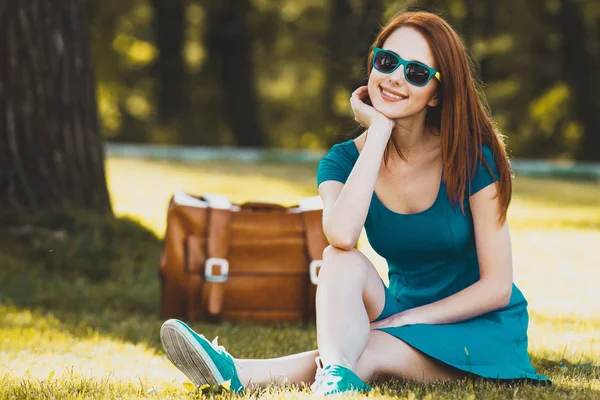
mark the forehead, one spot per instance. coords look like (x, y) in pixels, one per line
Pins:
(409, 44)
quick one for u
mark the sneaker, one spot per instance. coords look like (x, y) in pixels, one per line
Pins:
(203, 362)
(336, 379)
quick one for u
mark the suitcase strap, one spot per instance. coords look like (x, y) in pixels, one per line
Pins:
(217, 249)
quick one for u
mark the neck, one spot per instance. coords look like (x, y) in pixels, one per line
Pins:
(411, 135)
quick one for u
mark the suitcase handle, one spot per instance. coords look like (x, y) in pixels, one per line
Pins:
(258, 206)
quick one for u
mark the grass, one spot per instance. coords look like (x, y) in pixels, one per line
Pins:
(79, 293)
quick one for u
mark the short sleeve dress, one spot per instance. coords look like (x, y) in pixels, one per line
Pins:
(431, 255)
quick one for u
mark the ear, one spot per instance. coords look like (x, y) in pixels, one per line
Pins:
(433, 102)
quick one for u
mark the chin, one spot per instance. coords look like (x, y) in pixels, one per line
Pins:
(389, 113)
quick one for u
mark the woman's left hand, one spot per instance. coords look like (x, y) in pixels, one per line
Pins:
(392, 321)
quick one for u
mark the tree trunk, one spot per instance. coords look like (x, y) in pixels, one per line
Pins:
(172, 98)
(51, 153)
(578, 70)
(229, 42)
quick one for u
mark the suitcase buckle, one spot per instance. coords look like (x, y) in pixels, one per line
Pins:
(208, 269)
(314, 265)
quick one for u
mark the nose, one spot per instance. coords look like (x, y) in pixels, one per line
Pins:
(397, 76)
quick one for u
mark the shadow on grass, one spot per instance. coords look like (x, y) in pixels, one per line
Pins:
(101, 273)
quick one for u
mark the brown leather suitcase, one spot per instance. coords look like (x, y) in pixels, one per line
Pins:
(241, 262)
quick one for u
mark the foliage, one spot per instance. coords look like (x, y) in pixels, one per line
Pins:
(303, 104)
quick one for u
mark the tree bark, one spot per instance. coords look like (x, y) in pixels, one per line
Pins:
(51, 152)
(578, 70)
(229, 44)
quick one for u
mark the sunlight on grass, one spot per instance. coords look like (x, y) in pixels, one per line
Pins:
(59, 354)
(142, 189)
(555, 228)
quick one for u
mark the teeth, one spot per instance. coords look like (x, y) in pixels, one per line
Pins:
(394, 96)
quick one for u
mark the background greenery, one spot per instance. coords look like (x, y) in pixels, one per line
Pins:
(179, 71)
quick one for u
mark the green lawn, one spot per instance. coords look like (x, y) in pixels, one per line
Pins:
(78, 300)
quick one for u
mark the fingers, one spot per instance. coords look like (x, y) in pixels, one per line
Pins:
(359, 95)
(360, 91)
(358, 105)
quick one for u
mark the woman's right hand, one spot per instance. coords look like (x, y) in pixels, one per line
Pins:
(365, 114)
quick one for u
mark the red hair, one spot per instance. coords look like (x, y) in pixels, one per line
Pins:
(462, 115)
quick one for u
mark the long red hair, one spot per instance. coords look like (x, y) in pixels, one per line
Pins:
(462, 115)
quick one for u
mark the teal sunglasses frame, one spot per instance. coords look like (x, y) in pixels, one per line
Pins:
(401, 61)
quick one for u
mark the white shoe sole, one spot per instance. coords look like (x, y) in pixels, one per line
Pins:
(185, 353)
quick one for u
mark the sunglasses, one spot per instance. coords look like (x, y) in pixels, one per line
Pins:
(415, 72)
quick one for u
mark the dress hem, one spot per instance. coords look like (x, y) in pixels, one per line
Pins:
(477, 370)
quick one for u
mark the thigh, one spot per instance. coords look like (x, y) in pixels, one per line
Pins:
(388, 356)
(352, 269)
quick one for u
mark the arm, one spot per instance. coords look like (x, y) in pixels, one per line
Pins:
(345, 206)
(492, 291)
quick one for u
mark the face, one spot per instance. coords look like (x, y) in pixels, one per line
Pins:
(391, 94)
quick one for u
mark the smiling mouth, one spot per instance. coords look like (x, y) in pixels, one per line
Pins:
(391, 96)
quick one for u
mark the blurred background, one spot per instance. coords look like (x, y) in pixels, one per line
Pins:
(107, 107)
(278, 73)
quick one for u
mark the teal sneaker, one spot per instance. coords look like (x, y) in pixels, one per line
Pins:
(336, 379)
(203, 362)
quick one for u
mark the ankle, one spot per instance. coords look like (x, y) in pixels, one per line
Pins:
(339, 360)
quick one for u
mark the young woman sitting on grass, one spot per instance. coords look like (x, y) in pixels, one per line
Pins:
(431, 183)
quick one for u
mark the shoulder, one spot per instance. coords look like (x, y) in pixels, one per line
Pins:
(343, 151)
(485, 172)
(338, 162)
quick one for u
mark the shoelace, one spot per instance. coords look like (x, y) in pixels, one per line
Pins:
(221, 349)
(218, 348)
(322, 378)
(318, 376)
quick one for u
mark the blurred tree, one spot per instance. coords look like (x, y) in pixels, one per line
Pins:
(206, 125)
(300, 60)
(51, 152)
(123, 53)
(351, 32)
(579, 70)
(172, 90)
(229, 43)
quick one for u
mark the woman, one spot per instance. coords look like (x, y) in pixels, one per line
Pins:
(431, 183)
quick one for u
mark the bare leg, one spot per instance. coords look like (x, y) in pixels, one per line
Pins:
(350, 295)
(297, 368)
(384, 356)
(390, 356)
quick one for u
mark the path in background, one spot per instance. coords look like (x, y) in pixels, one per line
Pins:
(524, 167)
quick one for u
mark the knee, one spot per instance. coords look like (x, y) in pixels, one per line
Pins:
(341, 264)
(331, 252)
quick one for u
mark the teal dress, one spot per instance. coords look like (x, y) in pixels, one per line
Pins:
(432, 255)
